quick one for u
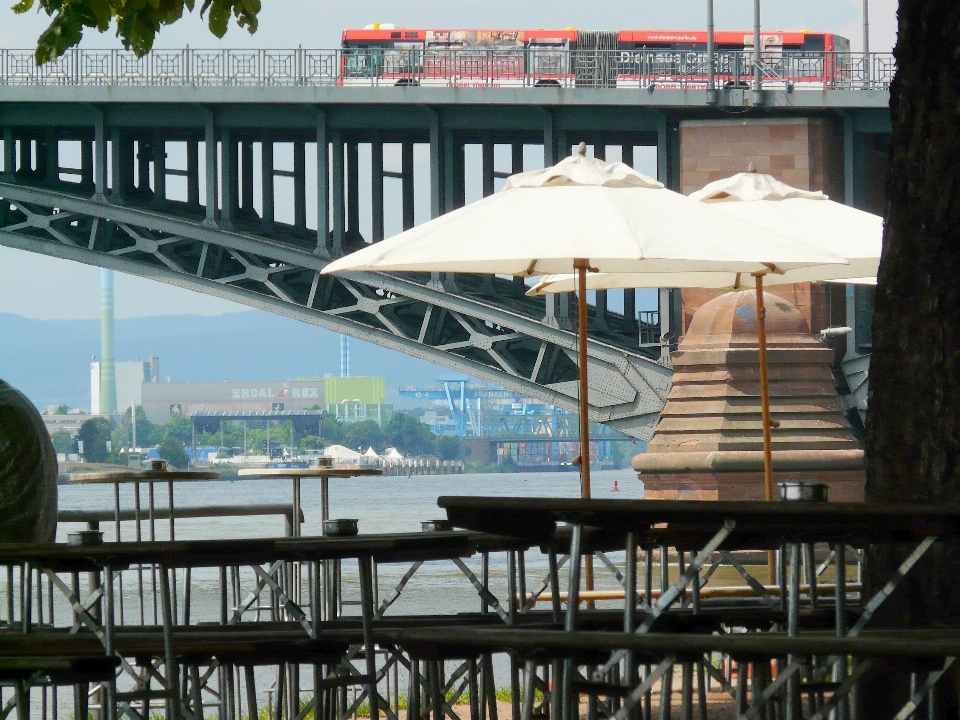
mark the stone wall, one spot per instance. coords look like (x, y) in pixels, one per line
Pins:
(804, 152)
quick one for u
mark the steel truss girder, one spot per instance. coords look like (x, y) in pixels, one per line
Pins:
(467, 334)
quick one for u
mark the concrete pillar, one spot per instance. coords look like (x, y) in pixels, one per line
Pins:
(193, 172)
(599, 146)
(338, 192)
(116, 169)
(159, 169)
(9, 165)
(407, 186)
(436, 168)
(266, 180)
(51, 157)
(26, 155)
(376, 184)
(86, 162)
(549, 141)
(144, 155)
(300, 185)
(516, 166)
(487, 156)
(230, 171)
(353, 187)
(210, 158)
(246, 176)
(100, 158)
(323, 185)
(459, 176)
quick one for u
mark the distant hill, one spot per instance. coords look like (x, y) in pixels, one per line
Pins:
(49, 360)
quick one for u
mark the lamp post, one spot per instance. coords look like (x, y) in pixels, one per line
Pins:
(711, 69)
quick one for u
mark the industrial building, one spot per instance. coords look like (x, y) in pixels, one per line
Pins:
(161, 400)
(130, 376)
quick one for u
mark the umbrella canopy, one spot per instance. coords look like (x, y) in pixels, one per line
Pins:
(581, 208)
(584, 214)
(810, 217)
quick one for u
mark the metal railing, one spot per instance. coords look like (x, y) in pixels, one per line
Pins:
(384, 67)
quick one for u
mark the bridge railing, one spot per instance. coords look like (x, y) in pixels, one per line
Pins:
(387, 67)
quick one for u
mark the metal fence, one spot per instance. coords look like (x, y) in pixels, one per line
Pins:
(385, 67)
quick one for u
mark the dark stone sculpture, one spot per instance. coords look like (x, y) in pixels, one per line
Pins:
(28, 472)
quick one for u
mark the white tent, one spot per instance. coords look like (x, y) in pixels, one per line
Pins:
(371, 453)
(392, 455)
(340, 452)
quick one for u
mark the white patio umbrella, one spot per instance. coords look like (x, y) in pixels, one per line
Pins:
(581, 215)
(810, 217)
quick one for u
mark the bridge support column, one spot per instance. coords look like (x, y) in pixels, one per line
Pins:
(121, 163)
(516, 166)
(159, 170)
(26, 155)
(210, 159)
(453, 169)
(600, 297)
(376, 184)
(487, 163)
(353, 189)
(300, 185)
(407, 186)
(9, 161)
(230, 172)
(8, 157)
(323, 189)
(338, 192)
(193, 172)
(437, 184)
(145, 153)
(246, 178)
(51, 157)
(487, 180)
(100, 159)
(549, 140)
(86, 163)
(266, 181)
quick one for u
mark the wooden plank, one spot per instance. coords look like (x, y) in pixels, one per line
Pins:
(555, 644)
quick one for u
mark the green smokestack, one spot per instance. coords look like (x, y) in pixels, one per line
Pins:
(108, 373)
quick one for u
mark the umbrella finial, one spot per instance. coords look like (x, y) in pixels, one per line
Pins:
(752, 167)
(582, 149)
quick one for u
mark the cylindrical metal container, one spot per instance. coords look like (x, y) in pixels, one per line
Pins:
(340, 527)
(85, 537)
(805, 491)
(435, 525)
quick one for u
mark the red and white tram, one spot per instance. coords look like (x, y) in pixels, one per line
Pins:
(383, 54)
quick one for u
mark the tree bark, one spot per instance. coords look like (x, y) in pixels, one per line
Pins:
(913, 430)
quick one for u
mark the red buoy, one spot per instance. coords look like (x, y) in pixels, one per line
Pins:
(616, 486)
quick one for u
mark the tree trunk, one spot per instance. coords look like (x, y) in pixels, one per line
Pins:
(913, 431)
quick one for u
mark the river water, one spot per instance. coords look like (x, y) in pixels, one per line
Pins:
(382, 505)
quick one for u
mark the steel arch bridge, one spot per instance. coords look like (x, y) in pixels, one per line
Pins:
(116, 210)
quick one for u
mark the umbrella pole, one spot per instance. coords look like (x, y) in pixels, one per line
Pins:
(765, 411)
(581, 269)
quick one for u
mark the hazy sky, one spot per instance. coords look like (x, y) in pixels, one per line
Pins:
(41, 287)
